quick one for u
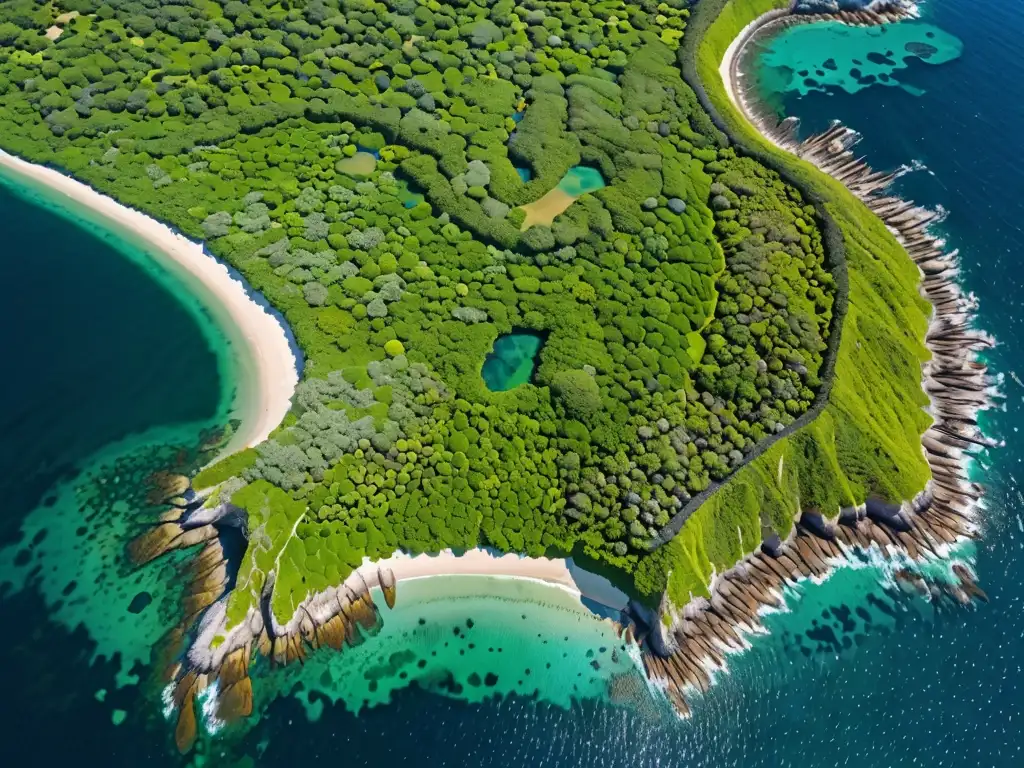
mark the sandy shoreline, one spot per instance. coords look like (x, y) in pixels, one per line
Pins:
(476, 562)
(728, 69)
(267, 370)
(216, 641)
(483, 562)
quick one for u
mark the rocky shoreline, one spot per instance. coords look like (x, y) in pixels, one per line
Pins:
(203, 656)
(861, 13)
(195, 655)
(682, 658)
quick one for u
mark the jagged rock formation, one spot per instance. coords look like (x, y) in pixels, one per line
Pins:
(197, 654)
(699, 640)
(388, 585)
(856, 12)
(343, 617)
(685, 656)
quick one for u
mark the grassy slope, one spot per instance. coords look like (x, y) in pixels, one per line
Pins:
(867, 439)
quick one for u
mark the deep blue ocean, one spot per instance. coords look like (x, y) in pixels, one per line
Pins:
(101, 348)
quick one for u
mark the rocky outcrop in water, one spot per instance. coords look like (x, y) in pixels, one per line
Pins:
(857, 12)
(388, 585)
(200, 651)
(960, 591)
(709, 629)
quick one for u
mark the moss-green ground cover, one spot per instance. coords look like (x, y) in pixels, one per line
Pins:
(866, 439)
(687, 304)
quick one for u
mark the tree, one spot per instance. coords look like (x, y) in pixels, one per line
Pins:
(217, 224)
(578, 393)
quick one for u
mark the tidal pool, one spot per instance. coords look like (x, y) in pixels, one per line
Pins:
(513, 360)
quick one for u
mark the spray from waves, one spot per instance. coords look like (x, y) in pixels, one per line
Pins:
(914, 166)
(207, 700)
(890, 568)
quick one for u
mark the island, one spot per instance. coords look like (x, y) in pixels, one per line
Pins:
(559, 289)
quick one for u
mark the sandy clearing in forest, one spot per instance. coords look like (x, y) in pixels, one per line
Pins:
(267, 369)
(360, 164)
(546, 209)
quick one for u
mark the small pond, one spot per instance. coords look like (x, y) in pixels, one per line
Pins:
(513, 359)
(581, 179)
(409, 195)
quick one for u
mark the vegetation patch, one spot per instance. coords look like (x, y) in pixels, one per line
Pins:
(863, 437)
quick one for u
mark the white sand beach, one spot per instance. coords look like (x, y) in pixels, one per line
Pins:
(267, 371)
(483, 562)
(476, 562)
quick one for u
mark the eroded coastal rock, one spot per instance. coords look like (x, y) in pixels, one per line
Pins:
(683, 657)
(856, 12)
(693, 647)
(199, 651)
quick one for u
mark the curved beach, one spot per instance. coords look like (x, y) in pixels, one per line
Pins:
(267, 369)
(320, 609)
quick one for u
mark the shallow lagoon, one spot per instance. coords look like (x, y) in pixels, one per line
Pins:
(816, 57)
(470, 638)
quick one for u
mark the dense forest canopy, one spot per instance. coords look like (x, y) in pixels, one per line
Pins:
(364, 165)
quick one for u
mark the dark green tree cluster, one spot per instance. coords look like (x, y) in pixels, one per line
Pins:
(365, 166)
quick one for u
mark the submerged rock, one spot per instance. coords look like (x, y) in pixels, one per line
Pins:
(153, 542)
(165, 486)
(388, 585)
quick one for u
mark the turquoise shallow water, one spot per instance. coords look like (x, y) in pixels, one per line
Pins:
(114, 368)
(512, 361)
(76, 321)
(580, 180)
(819, 57)
(855, 674)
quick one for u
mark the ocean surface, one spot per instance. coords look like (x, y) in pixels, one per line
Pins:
(113, 371)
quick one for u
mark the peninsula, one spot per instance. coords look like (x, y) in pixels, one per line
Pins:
(560, 289)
